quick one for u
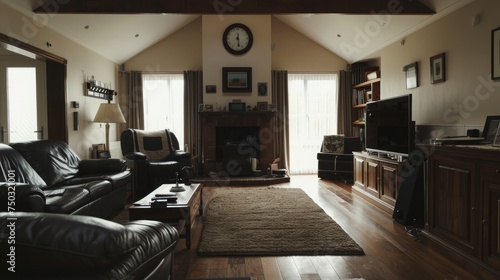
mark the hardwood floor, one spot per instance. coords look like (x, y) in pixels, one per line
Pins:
(390, 253)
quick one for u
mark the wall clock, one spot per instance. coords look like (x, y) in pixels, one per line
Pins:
(237, 39)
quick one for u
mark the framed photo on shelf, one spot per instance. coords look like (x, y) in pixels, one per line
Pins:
(200, 107)
(496, 141)
(495, 54)
(491, 128)
(438, 68)
(411, 75)
(262, 106)
(237, 79)
(209, 107)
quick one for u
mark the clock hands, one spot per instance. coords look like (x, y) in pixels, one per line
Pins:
(238, 38)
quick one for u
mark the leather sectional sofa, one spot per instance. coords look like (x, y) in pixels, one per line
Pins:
(55, 180)
(48, 235)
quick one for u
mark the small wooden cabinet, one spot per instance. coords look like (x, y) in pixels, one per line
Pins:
(463, 204)
(377, 178)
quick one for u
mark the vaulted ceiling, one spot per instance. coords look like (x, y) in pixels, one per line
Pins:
(335, 24)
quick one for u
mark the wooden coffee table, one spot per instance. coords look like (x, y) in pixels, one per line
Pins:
(182, 213)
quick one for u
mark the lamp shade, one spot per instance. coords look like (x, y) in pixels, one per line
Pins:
(109, 113)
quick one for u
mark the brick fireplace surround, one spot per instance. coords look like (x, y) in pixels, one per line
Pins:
(211, 120)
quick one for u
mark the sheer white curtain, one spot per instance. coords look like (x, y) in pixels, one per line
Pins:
(164, 103)
(312, 114)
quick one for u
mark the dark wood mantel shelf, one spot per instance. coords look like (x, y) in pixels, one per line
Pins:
(237, 112)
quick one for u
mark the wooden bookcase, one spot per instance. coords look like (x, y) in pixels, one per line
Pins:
(361, 94)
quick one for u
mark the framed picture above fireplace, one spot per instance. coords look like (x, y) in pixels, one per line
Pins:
(237, 79)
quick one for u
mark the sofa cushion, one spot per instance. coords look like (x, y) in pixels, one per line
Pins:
(117, 180)
(96, 189)
(14, 168)
(69, 242)
(53, 160)
(68, 202)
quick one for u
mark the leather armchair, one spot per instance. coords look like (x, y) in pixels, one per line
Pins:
(59, 246)
(154, 158)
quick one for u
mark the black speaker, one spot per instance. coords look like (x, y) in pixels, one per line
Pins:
(409, 207)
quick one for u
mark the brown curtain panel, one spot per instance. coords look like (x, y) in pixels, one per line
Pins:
(131, 100)
(193, 96)
(344, 120)
(281, 128)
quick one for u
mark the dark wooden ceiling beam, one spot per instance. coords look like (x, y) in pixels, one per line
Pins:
(235, 7)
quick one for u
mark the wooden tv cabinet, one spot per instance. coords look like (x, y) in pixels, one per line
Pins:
(463, 205)
(376, 179)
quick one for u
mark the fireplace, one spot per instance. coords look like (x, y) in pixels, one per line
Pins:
(236, 148)
(240, 139)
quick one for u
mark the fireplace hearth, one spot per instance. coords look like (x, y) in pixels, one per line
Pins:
(230, 155)
(236, 147)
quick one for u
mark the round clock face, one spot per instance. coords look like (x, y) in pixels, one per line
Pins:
(237, 39)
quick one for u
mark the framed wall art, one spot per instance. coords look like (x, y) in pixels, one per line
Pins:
(438, 68)
(411, 75)
(495, 54)
(236, 79)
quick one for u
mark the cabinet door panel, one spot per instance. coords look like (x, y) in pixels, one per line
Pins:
(451, 213)
(359, 171)
(372, 178)
(490, 179)
(389, 185)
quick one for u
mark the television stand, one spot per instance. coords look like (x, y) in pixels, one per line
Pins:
(380, 180)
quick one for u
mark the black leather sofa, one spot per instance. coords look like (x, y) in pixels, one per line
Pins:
(89, 187)
(58, 246)
(154, 157)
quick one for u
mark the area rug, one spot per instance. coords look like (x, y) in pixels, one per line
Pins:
(270, 222)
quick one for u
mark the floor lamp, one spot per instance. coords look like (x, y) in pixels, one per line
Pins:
(109, 113)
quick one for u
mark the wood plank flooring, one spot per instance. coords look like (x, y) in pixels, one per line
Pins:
(390, 253)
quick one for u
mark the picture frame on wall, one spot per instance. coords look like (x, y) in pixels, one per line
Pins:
(237, 79)
(495, 54)
(411, 75)
(438, 68)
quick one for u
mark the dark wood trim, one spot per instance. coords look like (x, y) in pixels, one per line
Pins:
(19, 47)
(406, 7)
(56, 68)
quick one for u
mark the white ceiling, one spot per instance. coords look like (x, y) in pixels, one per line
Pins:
(341, 34)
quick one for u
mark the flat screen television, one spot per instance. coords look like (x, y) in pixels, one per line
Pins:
(389, 128)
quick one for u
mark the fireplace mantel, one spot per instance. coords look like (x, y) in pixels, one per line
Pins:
(211, 120)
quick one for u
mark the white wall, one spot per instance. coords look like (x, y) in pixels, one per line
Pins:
(80, 60)
(468, 95)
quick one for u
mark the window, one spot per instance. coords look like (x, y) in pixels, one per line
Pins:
(164, 103)
(312, 114)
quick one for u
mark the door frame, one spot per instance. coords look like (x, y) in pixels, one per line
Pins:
(55, 80)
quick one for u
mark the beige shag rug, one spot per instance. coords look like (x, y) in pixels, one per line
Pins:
(270, 222)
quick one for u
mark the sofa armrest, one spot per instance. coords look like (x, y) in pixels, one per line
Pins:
(89, 247)
(178, 155)
(96, 166)
(28, 198)
(136, 156)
